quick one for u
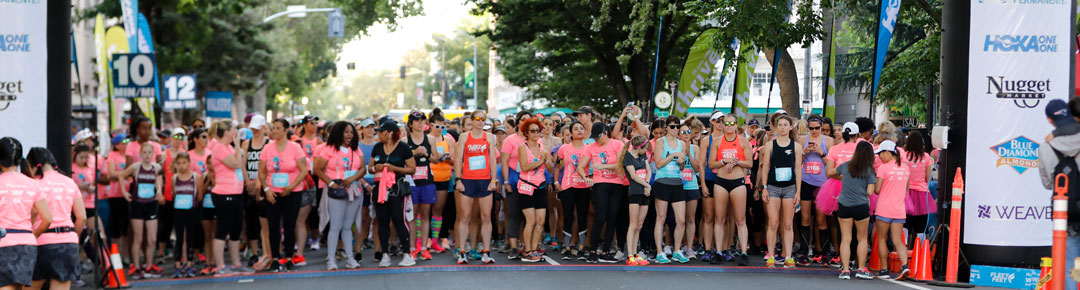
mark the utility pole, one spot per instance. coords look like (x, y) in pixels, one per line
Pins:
(443, 45)
(476, 72)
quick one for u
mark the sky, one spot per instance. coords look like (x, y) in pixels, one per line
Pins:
(383, 49)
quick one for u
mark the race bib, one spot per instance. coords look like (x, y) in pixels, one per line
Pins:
(729, 153)
(687, 174)
(146, 191)
(783, 174)
(642, 173)
(421, 173)
(813, 167)
(525, 188)
(577, 180)
(239, 176)
(349, 173)
(440, 150)
(279, 180)
(478, 162)
(605, 173)
(184, 201)
(207, 201)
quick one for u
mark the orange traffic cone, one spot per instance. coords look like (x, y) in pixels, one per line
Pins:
(924, 272)
(875, 261)
(916, 258)
(1047, 265)
(117, 279)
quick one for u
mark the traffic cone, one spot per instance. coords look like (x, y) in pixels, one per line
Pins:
(924, 272)
(117, 279)
(1047, 265)
(916, 259)
(875, 261)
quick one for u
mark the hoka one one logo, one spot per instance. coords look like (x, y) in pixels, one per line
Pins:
(891, 12)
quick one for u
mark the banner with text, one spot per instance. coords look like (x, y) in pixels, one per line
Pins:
(1019, 59)
(219, 104)
(699, 64)
(23, 80)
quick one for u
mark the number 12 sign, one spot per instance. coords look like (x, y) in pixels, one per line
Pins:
(179, 92)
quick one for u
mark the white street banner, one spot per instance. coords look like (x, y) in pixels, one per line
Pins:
(1019, 60)
(23, 79)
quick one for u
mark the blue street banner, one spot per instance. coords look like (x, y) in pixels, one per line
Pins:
(219, 104)
(129, 10)
(890, 10)
(179, 92)
(133, 75)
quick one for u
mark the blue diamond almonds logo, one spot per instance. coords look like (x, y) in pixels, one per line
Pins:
(1021, 153)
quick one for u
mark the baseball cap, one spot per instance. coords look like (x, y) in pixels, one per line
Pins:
(850, 128)
(309, 118)
(387, 125)
(598, 128)
(247, 119)
(179, 131)
(367, 122)
(887, 145)
(781, 112)
(83, 134)
(585, 110)
(1058, 112)
(559, 113)
(716, 116)
(119, 138)
(417, 114)
(499, 128)
(754, 122)
(257, 122)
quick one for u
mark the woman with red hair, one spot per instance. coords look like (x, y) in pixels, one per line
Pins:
(534, 164)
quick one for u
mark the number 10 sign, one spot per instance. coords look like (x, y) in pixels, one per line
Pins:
(133, 75)
(179, 92)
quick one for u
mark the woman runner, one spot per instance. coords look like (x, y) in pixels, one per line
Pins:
(392, 156)
(601, 160)
(854, 208)
(186, 190)
(57, 247)
(782, 159)
(732, 157)
(532, 189)
(282, 169)
(424, 193)
(574, 193)
(338, 165)
(440, 173)
(475, 163)
(892, 188)
(692, 181)
(815, 148)
(670, 154)
(636, 164)
(144, 211)
(227, 162)
(18, 249)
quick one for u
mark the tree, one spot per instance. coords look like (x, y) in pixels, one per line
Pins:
(595, 52)
(459, 50)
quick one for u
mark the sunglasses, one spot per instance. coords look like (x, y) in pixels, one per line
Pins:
(673, 127)
(479, 118)
(814, 128)
(534, 131)
(730, 123)
(178, 137)
(685, 132)
(125, 141)
(439, 127)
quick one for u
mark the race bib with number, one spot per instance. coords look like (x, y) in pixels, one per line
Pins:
(729, 153)
(184, 201)
(207, 201)
(421, 173)
(477, 162)
(440, 150)
(146, 191)
(813, 167)
(526, 189)
(783, 174)
(239, 176)
(577, 180)
(642, 173)
(279, 180)
(687, 174)
(349, 173)
(605, 173)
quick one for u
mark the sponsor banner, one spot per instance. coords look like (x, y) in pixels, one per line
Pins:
(699, 64)
(1004, 277)
(890, 10)
(830, 90)
(218, 104)
(23, 81)
(744, 74)
(115, 42)
(1019, 59)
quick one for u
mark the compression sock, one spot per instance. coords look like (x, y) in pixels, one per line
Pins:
(436, 225)
(804, 236)
(567, 237)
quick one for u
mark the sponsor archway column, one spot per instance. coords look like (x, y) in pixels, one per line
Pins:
(956, 17)
(58, 36)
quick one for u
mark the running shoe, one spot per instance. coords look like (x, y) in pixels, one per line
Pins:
(592, 257)
(845, 275)
(531, 257)
(425, 254)
(770, 262)
(290, 265)
(461, 259)
(680, 257)
(803, 261)
(661, 258)
(244, 270)
(331, 265)
(699, 249)
(437, 248)
(641, 260)
(415, 253)
(190, 273)
(691, 255)
(513, 254)
(728, 256)
(135, 273)
(340, 255)
(882, 274)
(864, 274)
(314, 245)
(277, 265)
(904, 272)
(407, 261)
(385, 261)
(475, 255)
(252, 260)
(151, 272)
(351, 264)
(486, 257)
(619, 256)
(225, 272)
(262, 264)
(202, 258)
(667, 250)
(789, 263)
(820, 259)
(568, 255)
(299, 260)
(707, 257)
(608, 259)
(358, 256)
(744, 259)
(206, 271)
(178, 273)
(632, 261)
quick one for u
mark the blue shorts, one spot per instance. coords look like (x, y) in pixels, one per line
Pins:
(476, 188)
(424, 194)
(889, 220)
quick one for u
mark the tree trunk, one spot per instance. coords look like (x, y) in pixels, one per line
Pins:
(788, 80)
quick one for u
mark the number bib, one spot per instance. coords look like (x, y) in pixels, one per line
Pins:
(422, 172)
(146, 191)
(609, 174)
(526, 189)
(576, 180)
(184, 201)
(783, 174)
(279, 180)
(440, 150)
(239, 176)
(207, 201)
(642, 173)
(477, 162)
(813, 167)
(349, 173)
(729, 153)
(687, 174)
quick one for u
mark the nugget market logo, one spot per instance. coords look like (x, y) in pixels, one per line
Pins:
(1020, 153)
(1024, 93)
(9, 92)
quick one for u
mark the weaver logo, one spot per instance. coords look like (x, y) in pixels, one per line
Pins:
(14, 43)
(1021, 153)
(984, 211)
(890, 15)
(1020, 43)
(1024, 93)
(1015, 212)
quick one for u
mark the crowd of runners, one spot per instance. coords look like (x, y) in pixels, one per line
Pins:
(240, 196)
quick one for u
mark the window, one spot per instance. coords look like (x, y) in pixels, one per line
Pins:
(760, 84)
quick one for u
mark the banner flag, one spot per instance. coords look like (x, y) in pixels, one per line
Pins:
(115, 42)
(890, 10)
(104, 82)
(830, 78)
(699, 64)
(146, 45)
(744, 74)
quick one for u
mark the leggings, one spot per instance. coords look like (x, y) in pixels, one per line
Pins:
(230, 216)
(392, 210)
(165, 218)
(606, 199)
(283, 213)
(185, 224)
(514, 217)
(575, 199)
(342, 215)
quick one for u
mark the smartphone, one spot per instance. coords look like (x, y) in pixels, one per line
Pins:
(630, 104)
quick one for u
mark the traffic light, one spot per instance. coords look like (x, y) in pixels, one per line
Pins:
(402, 72)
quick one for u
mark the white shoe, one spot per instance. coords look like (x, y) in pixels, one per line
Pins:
(620, 256)
(407, 261)
(385, 262)
(351, 264)
(331, 265)
(667, 250)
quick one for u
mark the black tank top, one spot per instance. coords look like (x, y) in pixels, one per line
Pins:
(253, 159)
(184, 187)
(782, 164)
(145, 182)
(422, 162)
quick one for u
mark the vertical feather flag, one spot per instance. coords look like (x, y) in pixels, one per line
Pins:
(744, 74)
(890, 10)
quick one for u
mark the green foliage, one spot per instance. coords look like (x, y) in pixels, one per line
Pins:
(459, 49)
(761, 22)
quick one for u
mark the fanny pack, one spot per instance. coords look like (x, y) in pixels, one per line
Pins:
(60, 230)
(337, 193)
(4, 232)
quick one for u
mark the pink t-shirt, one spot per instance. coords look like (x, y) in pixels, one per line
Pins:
(310, 148)
(61, 192)
(83, 175)
(570, 157)
(18, 194)
(893, 180)
(510, 146)
(841, 153)
(227, 181)
(134, 148)
(281, 166)
(918, 171)
(342, 161)
(536, 176)
(198, 161)
(115, 188)
(607, 154)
